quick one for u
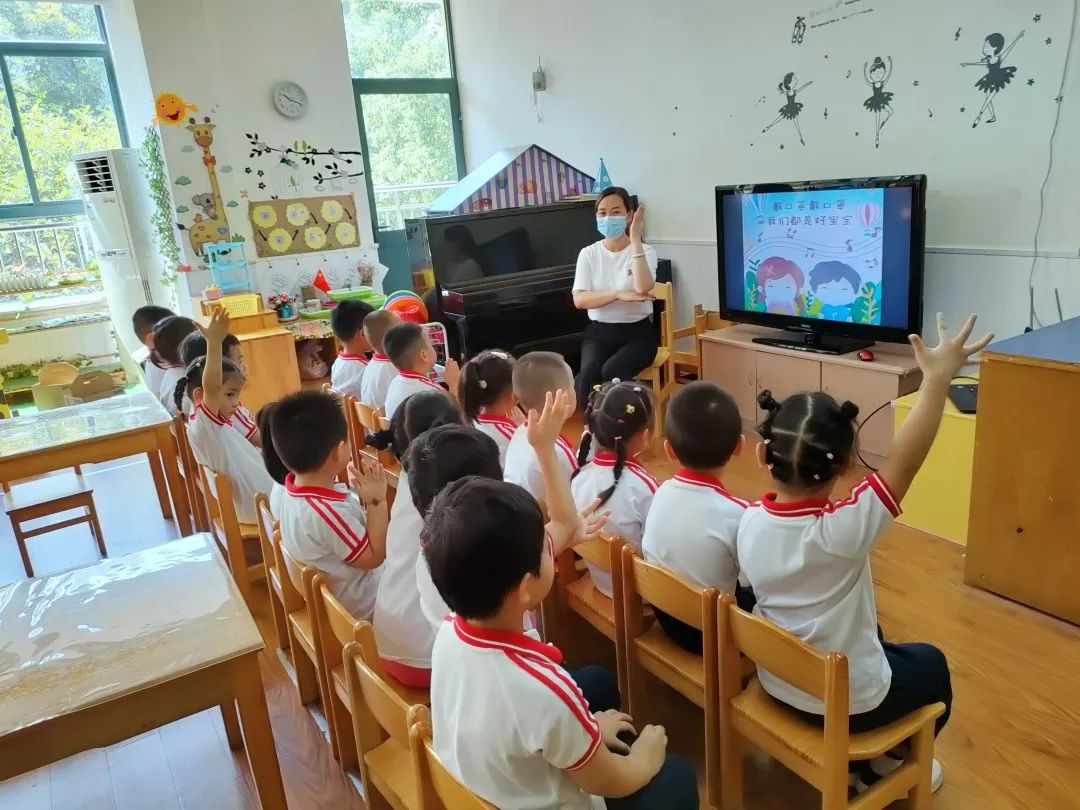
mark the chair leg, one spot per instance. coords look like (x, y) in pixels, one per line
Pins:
(834, 796)
(95, 528)
(922, 752)
(341, 728)
(731, 770)
(232, 725)
(307, 677)
(281, 621)
(20, 541)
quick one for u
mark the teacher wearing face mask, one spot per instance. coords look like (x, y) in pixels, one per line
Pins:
(613, 280)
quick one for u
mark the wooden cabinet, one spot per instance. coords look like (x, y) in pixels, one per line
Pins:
(743, 368)
(272, 372)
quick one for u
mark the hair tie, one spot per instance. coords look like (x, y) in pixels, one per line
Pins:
(630, 409)
(829, 456)
(637, 389)
(817, 477)
(482, 384)
(767, 442)
(597, 388)
(616, 380)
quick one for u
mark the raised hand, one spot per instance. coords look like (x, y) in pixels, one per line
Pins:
(543, 429)
(637, 225)
(218, 328)
(941, 362)
(451, 375)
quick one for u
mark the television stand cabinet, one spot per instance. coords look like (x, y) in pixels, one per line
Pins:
(743, 368)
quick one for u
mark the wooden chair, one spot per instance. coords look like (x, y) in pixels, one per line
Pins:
(49, 496)
(337, 629)
(238, 541)
(381, 721)
(304, 641)
(439, 789)
(649, 649)
(688, 364)
(356, 430)
(661, 374)
(575, 593)
(820, 755)
(189, 473)
(267, 526)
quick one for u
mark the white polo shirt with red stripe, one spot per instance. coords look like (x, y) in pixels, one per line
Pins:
(522, 467)
(499, 428)
(379, 374)
(244, 422)
(221, 447)
(629, 504)
(809, 564)
(404, 385)
(166, 392)
(691, 530)
(347, 373)
(402, 631)
(326, 528)
(508, 720)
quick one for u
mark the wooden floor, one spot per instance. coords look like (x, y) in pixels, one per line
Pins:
(1014, 739)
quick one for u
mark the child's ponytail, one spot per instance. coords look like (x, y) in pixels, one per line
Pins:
(808, 438)
(615, 413)
(179, 392)
(484, 380)
(274, 465)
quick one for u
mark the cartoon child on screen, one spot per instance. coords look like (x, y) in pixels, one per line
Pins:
(835, 285)
(781, 282)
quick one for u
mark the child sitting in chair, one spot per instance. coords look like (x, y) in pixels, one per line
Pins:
(412, 354)
(347, 321)
(380, 371)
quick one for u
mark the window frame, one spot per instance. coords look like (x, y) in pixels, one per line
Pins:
(38, 208)
(445, 86)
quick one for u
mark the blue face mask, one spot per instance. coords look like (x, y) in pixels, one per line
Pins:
(611, 227)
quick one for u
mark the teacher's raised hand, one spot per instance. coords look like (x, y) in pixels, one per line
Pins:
(637, 225)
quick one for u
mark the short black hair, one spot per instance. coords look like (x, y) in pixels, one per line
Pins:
(703, 425)
(402, 343)
(144, 318)
(274, 465)
(537, 374)
(194, 345)
(376, 326)
(484, 380)
(481, 536)
(347, 318)
(447, 453)
(169, 333)
(305, 428)
(825, 272)
(419, 412)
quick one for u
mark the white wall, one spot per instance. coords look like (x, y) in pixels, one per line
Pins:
(224, 56)
(670, 95)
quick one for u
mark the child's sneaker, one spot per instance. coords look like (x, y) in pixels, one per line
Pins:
(883, 766)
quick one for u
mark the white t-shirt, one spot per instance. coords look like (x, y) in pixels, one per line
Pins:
(221, 447)
(243, 421)
(499, 428)
(277, 497)
(347, 373)
(508, 720)
(691, 530)
(404, 385)
(166, 391)
(326, 528)
(600, 269)
(402, 631)
(809, 564)
(522, 467)
(628, 504)
(152, 377)
(376, 382)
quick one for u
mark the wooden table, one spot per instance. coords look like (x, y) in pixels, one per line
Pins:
(99, 654)
(94, 432)
(1024, 536)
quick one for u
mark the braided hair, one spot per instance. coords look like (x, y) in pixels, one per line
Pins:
(485, 379)
(615, 413)
(193, 377)
(420, 412)
(808, 437)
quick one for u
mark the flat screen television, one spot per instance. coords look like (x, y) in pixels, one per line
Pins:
(836, 264)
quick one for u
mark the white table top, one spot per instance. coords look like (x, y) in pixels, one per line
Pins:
(79, 423)
(93, 634)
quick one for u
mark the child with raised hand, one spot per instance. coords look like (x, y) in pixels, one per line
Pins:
(509, 721)
(166, 338)
(347, 321)
(193, 347)
(486, 394)
(380, 371)
(213, 385)
(536, 376)
(618, 418)
(692, 523)
(808, 558)
(322, 523)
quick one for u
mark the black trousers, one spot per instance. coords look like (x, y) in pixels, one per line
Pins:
(689, 638)
(920, 676)
(611, 350)
(674, 787)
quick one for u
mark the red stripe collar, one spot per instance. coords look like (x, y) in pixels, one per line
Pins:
(799, 508)
(504, 640)
(382, 358)
(213, 417)
(691, 477)
(351, 356)
(312, 492)
(490, 419)
(412, 375)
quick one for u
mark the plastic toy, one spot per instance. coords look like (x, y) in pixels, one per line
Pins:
(407, 305)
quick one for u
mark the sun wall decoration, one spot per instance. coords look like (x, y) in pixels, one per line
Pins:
(306, 225)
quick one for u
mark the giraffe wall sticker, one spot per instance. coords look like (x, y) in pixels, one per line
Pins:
(213, 227)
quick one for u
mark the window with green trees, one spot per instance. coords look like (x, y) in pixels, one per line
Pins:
(58, 97)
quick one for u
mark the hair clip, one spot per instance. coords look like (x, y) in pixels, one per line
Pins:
(637, 389)
(770, 466)
(829, 456)
(616, 380)
(817, 477)
(630, 409)
(597, 388)
(621, 421)
(482, 384)
(766, 442)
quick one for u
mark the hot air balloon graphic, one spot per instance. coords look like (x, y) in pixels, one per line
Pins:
(759, 203)
(868, 214)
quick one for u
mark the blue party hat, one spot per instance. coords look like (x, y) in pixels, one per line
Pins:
(603, 179)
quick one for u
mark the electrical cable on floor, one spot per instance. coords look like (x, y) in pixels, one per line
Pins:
(1033, 319)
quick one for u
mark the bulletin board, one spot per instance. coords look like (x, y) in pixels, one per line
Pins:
(290, 227)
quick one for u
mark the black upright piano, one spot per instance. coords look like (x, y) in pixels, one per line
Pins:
(503, 279)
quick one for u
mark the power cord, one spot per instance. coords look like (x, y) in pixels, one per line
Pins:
(1033, 319)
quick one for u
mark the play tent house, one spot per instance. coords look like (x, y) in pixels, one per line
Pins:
(513, 178)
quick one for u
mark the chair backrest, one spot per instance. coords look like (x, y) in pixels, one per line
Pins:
(337, 627)
(645, 581)
(356, 430)
(439, 789)
(267, 525)
(663, 292)
(219, 501)
(367, 416)
(57, 374)
(296, 582)
(378, 711)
